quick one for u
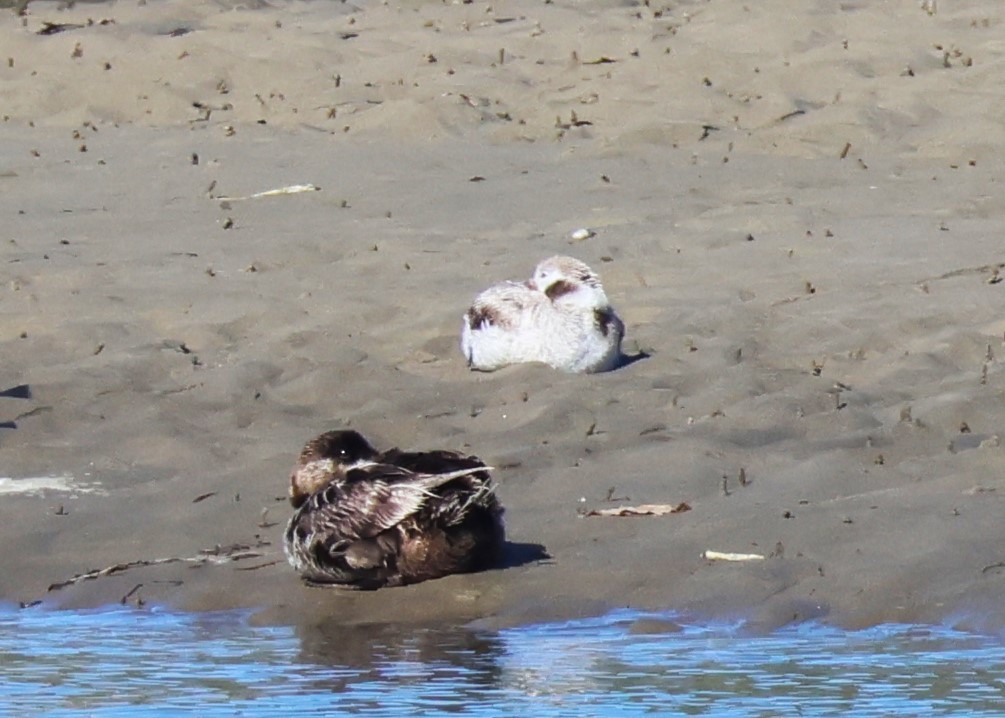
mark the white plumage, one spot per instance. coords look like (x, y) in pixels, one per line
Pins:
(561, 317)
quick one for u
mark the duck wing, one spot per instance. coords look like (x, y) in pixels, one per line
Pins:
(501, 305)
(455, 498)
(432, 462)
(374, 498)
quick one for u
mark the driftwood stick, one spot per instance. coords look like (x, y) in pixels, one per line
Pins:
(216, 555)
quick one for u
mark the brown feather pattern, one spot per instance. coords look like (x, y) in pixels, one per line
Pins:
(396, 518)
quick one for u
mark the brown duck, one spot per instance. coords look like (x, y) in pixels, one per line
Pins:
(365, 519)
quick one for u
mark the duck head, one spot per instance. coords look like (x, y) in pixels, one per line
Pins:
(327, 458)
(567, 280)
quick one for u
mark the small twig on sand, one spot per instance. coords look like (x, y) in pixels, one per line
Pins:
(108, 571)
(611, 498)
(723, 556)
(290, 189)
(215, 555)
(641, 510)
(258, 566)
(129, 595)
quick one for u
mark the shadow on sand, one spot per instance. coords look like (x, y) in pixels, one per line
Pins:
(520, 554)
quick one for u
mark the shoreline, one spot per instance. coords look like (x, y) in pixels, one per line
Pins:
(824, 321)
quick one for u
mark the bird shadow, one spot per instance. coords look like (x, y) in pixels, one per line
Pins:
(21, 391)
(628, 359)
(519, 554)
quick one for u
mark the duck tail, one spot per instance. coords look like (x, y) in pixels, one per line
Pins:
(461, 506)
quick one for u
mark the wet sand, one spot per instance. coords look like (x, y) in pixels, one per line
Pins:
(797, 212)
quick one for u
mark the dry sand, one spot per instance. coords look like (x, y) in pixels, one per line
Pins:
(798, 212)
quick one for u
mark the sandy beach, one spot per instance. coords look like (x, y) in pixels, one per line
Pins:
(796, 208)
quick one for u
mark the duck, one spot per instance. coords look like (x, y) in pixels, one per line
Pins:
(560, 317)
(365, 519)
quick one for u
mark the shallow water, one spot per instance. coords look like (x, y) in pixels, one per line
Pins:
(127, 662)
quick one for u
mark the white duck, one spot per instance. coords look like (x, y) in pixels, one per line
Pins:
(561, 317)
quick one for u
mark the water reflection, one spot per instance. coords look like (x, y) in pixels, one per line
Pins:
(404, 654)
(124, 661)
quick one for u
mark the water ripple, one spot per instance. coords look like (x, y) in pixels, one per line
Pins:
(121, 661)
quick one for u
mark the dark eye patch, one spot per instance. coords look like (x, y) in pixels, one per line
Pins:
(559, 289)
